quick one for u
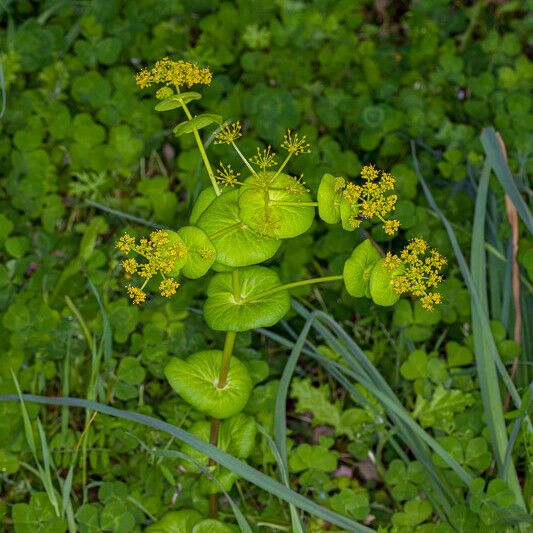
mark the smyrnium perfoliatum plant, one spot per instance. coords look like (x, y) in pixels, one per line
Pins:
(237, 224)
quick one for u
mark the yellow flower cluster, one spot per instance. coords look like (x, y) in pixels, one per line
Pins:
(228, 133)
(227, 176)
(264, 158)
(421, 271)
(160, 254)
(372, 199)
(294, 144)
(178, 73)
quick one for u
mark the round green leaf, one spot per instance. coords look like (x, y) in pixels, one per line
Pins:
(176, 522)
(195, 379)
(211, 526)
(204, 200)
(174, 101)
(198, 122)
(225, 311)
(329, 200)
(263, 205)
(381, 289)
(347, 212)
(358, 268)
(201, 253)
(236, 244)
(180, 262)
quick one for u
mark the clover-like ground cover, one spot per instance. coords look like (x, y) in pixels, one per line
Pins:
(85, 158)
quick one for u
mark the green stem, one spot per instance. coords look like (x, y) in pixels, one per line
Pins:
(202, 151)
(250, 168)
(278, 172)
(292, 285)
(229, 343)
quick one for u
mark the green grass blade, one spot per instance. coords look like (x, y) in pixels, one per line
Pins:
(241, 520)
(235, 465)
(496, 157)
(487, 375)
(467, 276)
(283, 469)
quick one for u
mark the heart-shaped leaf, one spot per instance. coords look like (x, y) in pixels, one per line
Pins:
(198, 122)
(269, 205)
(381, 289)
(201, 253)
(358, 268)
(181, 521)
(235, 242)
(234, 301)
(205, 198)
(174, 101)
(195, 379)
(329, 200)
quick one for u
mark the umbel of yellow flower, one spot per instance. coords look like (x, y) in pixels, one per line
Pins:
(176, 73)
(163, 253)
(421, 272)
(371, 199)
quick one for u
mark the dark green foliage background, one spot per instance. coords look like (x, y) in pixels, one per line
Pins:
(361, 79)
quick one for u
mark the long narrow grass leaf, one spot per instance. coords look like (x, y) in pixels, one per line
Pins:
(498, 162)
(241, 520)
(235, 465)
(467, 276)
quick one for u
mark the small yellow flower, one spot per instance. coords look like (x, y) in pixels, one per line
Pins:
(227, 176)
(264, 158)
(297, 185)
(340, 184)
(391, 227)
(164, 92)
(294, 144)
(160, 253)
(178, 73)
(422, 272)
(206, 253)
(125, 243)
(168, 287)
(137, 295)
(369, 173)
(228, 133)
(392, 262)
(130, 266)
(373, 198)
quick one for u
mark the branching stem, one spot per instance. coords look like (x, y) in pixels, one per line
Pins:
(201, 148)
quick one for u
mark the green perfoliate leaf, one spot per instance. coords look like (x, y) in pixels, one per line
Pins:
(236, 244)
(329, 200)
(198, 122)
(358, 268)
(176, 522)
(236, 436)
(201, 253)
(174, 101)
(233, 304)
(211, 526)
(381, 289)
(181, 257)
(195, 379)
(347, 213)
(205, 198)
(269, 205)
